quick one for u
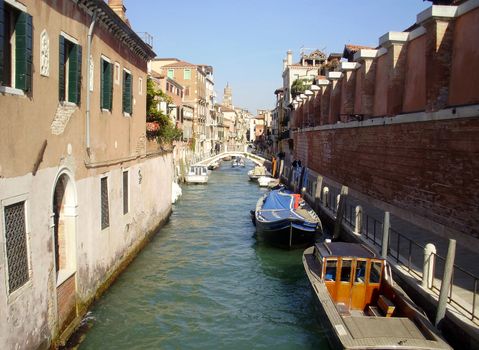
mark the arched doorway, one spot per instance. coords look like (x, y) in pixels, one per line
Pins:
(64, 215)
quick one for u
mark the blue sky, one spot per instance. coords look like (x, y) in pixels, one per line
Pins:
(246, 40)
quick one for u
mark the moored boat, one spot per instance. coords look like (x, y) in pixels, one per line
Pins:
(359, 303)
(198, 174)
(284, 219)
(257, 172)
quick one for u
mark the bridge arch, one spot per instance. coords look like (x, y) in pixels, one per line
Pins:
(253, 157)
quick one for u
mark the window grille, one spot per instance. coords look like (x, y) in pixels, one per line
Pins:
(105, 215)
(125, 192)
(16, 242)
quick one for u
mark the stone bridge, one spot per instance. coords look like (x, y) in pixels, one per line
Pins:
(253, 157)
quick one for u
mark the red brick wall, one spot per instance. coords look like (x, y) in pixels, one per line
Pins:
(429, 168)
(66, 302)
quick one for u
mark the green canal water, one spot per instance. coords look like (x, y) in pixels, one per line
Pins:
(205, 283)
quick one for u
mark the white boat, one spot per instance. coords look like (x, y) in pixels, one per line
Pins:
(267, 181)
(198, 174)
(257, 172)
(176, 192)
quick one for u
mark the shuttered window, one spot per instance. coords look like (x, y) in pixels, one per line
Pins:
(69, 74)
(187, 74)
(127, 92)
(106, 94)
(15, 48)
(171, 73)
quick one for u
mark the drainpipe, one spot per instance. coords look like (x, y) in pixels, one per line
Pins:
(89, 38)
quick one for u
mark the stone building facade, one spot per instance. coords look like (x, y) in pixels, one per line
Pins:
(79, 193)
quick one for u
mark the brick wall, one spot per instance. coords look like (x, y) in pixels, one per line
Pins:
(430, 168)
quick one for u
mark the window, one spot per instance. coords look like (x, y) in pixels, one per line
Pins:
(345, 270)
(16, 245)
(69, 71)
(375, 274)
(330, 272)
(125, 192)
(187, 74)
(171, 73)
(15, 47)
(360, 275)
(106, 94)
(105, 214)
(127, 108)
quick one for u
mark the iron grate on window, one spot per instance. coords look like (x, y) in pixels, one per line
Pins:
(105, 214)
(16, 242)
(125, 192)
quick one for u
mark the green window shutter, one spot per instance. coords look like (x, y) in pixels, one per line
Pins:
(79, 76)
(110, 86)
(2, 39)
(74, 74)
(61, 70)
(102, 84)
(23, 52)
(127, 92)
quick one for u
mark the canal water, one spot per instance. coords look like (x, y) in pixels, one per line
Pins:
(205, 283)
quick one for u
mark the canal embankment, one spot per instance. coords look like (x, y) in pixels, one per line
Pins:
(363, 222)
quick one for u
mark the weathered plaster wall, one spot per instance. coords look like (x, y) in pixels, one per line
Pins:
(30, 312)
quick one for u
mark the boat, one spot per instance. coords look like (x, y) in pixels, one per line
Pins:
(284, 219)
(214, 166)
(257, 172)
(198, 174)
(359, 303)
(267, 181)
(237, 162)
(176, 192)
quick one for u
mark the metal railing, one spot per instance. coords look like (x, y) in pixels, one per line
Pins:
(410, 254)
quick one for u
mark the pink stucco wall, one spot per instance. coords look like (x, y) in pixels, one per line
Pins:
(415, 80)
(464, 83)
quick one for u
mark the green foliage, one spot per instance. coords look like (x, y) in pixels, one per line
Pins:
(299, 86)
(167, 132)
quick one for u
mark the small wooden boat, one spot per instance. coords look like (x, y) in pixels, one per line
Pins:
(267, 181)
(360, 305)
(214, 166)
(284, 219)
(198, 174)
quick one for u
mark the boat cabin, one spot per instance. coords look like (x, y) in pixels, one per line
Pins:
(352, 274)
(198, 170)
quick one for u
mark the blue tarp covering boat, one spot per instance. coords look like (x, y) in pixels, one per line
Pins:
(284, 218)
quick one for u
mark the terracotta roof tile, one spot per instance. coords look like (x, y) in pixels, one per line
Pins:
(180, 64)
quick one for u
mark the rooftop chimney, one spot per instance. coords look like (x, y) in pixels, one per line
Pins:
(119, 8)
(289, 57)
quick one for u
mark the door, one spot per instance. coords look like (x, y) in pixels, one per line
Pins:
(344, 284)
(358, 287)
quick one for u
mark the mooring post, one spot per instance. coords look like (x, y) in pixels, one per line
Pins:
(428, 266)
(281, 165)
(446, 282)
(325, 196)
(386, 225)
(340, 211)
(358, 222)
